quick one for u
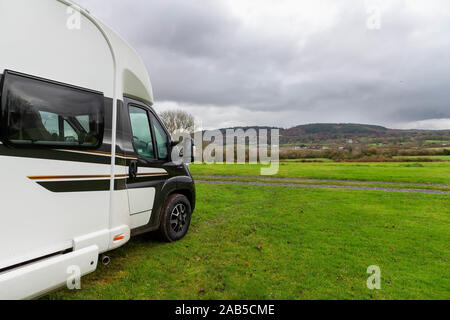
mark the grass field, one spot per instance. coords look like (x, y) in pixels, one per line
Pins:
(438, 172)
(325, 183)
(305, 160)
(282, 243)
(444, 158)
(263, 242)
(437, 141)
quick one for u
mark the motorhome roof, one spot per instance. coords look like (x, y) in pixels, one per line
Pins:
(59, 44)
(130, 66)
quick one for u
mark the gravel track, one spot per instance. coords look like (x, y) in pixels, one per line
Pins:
(324, 180)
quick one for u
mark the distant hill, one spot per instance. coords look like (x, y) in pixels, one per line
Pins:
(329, 131)
(337, 133)
(332, 128)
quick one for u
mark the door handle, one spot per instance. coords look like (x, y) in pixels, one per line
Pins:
(133, 169)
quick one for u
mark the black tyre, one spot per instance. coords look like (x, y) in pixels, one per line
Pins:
(175, 218)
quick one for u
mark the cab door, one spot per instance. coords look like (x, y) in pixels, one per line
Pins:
(147, 173)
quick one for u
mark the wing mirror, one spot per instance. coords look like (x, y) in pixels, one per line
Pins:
(186, 144)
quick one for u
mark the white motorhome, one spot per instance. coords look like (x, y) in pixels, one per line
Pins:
(85, 162)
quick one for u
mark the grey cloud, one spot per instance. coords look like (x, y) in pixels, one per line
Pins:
(198, 53)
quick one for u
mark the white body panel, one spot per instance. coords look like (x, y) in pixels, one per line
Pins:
(140, 219)
(141, 205)
(44, 220)
(37, 279)
(45, 47)
(141, 200)
(36, 222)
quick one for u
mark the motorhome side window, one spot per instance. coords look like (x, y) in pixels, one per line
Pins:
(49, 114)
(162, 139)
(142, 135)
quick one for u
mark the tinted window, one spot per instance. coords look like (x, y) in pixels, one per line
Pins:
(142, 136)
(44, 113)
(162, 140)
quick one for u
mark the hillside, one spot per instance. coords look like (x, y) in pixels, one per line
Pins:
(329, 133)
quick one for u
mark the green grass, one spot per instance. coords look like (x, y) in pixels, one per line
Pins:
(325, 183)
(285, 243)
(309, 159)
(444, 158)
(437, 141)
(436, 172)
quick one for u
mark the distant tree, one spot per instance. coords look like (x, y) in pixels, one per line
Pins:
(178, 120)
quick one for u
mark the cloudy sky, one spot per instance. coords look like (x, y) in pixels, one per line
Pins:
(289, 62)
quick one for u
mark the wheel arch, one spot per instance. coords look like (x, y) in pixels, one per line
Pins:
(187, 193)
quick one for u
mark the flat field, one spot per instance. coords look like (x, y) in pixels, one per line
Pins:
(429, 173)
(273, 242)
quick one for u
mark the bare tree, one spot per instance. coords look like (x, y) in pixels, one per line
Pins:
(178, 120)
